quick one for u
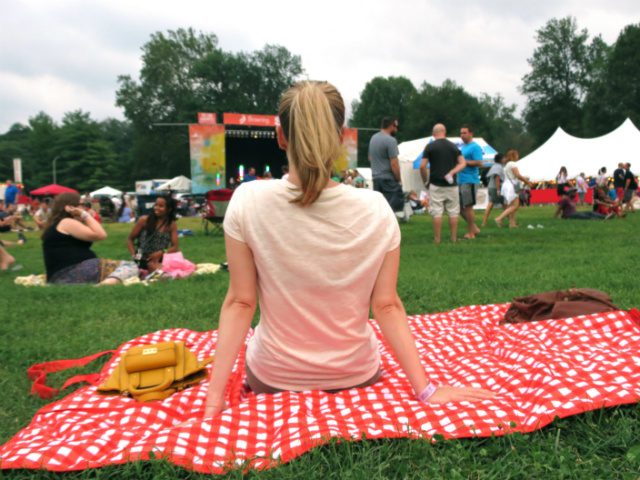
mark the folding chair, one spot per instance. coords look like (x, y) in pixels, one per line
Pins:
(213, 210)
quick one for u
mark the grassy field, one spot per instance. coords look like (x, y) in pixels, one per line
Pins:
(51, 323)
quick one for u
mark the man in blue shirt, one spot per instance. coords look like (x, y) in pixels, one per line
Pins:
(251, 176)
(469, 180)
(10, 193)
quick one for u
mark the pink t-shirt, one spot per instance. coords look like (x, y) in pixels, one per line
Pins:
(316, 268)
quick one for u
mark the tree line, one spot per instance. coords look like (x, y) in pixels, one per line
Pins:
(576, 82)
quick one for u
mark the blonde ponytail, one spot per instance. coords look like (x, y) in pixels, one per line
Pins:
(311, 116)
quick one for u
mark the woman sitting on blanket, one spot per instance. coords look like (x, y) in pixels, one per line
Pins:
(156, 234)
(318, 254)
(66, 243)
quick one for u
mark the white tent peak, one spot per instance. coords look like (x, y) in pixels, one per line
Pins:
(179, 183)
(578, 155)
(108, 191)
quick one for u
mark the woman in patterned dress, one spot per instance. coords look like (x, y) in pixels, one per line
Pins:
(156, 234)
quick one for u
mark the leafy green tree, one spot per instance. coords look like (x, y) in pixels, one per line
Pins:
(15, 144)
(42, 143)
(381, 97)
(165, 94)
(246, 82)
(615, 94)
(500, 127)
(449, 104)
(86, 160)
(119, 135)
(623, 73)
(185, 73)
(561, 74)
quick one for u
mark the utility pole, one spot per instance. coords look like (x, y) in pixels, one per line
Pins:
(54, 169)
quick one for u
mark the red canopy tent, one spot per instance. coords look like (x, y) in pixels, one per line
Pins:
(52, 189)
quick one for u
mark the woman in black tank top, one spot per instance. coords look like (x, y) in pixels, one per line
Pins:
(66, 245)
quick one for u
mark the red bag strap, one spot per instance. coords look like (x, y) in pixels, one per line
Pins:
(38, 374)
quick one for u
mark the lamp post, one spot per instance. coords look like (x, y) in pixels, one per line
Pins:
(54, 169)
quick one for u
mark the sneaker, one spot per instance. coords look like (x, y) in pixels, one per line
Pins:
(530, 227)
(540, 226)
(22, 237)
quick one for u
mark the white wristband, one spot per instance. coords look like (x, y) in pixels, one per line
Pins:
(427, 392)
(85, 215)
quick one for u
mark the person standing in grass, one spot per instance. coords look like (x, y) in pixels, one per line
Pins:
(469, 180)
(338, 253)
(446, 162)
(630, 187)
(511, 189)
(496, 179)
(582, 186)
(10, 193)
(618, 180)
(385, 168)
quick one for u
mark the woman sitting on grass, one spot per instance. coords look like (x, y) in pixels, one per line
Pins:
(604, 205)
(66, 244)
(567, 206)
(156, 234)
(318, 254)
(125, 215)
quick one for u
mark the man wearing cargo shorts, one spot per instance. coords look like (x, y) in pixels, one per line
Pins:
(445, 162)
(469, 180)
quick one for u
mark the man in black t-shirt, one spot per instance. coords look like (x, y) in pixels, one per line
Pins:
(618, 180)
(630, 187)
(445, 161)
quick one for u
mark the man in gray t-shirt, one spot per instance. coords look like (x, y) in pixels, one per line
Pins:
(385, 168)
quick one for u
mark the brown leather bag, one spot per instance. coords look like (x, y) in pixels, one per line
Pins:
(558, 304)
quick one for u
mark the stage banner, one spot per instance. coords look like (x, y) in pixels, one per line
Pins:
(349, 157)
(208, 157)
(208, 118)
(251, 120)
(17, 170)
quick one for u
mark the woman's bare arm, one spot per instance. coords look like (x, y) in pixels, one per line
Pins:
(390, 315)
(235, 320)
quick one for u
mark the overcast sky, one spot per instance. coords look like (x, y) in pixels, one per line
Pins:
(62, 55)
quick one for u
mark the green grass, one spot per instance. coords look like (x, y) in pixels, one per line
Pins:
(43, 324)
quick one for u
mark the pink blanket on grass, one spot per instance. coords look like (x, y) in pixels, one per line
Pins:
(538, 370)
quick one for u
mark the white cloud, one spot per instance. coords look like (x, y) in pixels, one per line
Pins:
(64, 55)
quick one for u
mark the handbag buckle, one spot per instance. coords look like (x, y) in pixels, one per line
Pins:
(149, 351)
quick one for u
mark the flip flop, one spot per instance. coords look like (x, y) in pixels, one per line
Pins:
(16, 267)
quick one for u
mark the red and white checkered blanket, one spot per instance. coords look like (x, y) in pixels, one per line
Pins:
(538, 370)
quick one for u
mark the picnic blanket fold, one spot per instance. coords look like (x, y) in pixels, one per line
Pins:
(539, 371)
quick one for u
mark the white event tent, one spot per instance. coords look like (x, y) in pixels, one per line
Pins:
(179, 184)
(586, 155)
(106, 191)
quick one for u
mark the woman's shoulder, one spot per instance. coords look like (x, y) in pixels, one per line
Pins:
(261, 188)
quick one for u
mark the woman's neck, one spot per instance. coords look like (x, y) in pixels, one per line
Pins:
(293, 178)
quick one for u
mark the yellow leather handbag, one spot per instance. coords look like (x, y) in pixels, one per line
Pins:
(154, 372)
